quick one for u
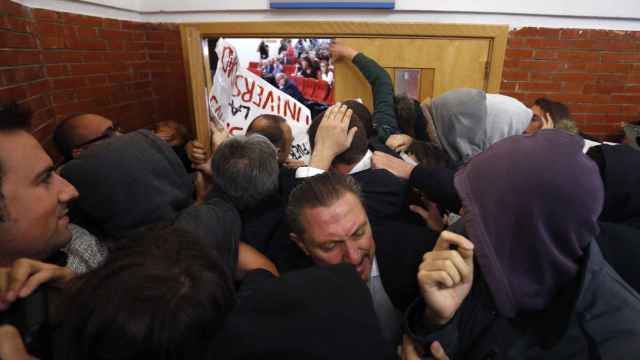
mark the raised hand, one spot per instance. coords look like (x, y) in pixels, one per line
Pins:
(333, 136)
(445, 276)
(21, 279)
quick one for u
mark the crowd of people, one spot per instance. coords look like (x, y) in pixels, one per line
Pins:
(467, 226)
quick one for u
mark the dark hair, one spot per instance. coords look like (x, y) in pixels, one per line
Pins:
(363, 114)
(559, 112)
(164, 296)
(13, 117)
(429, 154)
(359, 145)
(406, 115)
(271, 128)
(246, 170)
(318, 191)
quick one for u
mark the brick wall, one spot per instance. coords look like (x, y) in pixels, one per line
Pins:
(595, 72)
(59, 63)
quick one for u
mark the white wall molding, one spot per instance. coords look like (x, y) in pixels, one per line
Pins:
(256, 10)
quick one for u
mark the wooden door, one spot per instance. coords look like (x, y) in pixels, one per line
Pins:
(442, 64)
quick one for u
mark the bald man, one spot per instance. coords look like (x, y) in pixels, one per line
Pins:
(78, 132)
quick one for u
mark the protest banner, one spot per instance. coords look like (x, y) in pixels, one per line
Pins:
(238, 96)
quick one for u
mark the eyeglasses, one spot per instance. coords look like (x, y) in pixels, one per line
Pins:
(106, 134)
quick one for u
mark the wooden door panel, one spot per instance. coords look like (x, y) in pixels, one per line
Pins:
(445, 64)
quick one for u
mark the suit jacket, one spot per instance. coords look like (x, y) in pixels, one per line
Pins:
(319, 313)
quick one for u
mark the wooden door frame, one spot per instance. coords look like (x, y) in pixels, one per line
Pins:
(496, 34)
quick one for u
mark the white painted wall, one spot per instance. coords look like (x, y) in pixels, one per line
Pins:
(612, 14)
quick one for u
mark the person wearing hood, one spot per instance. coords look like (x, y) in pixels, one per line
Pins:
(136, 180)
(529, 281)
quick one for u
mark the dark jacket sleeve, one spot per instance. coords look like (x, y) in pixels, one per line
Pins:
(424, 335)
(383, 117)
(437, 184)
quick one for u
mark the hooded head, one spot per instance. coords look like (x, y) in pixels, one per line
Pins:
(128, 181)
(468, 121)
(531, 204)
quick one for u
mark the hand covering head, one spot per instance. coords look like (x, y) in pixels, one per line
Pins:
(128, 181)
(531, 204)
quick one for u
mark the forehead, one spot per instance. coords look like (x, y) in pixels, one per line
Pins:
(21, 155)
(336, 221)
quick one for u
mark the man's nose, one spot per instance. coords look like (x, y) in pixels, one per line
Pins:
(352, 254)
(67, 191)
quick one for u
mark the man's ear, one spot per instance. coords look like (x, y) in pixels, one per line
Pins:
(76, 152)
(298, 240)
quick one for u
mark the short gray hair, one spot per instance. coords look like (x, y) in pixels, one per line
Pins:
(318, 191)
(246, 170)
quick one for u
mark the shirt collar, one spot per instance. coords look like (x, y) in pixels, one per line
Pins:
(363, 164)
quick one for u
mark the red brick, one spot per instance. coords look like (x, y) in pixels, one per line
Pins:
(596, 108)
(545, 54)
(10, 39)
(609, 68)
(90, 69)
(57, 70)
(80, 106)
(603, 88)
(573, 67)
(138, 36)
(37, 103)
(573, 34)
(164, 36)
(43, 132)
(47, 29)
(42, 118)
(539, 76)
(45, 15)
(581, 98)
(116, 45)
(570, 87)
(133, 25)
(609, 58)
(12, 93)
(68, 83)
(38, 87)
(12, 8)
(111, 24)
(141, 76)
(625, 99)
(18, 24)
(82, 20)
(606, 34)
(578, 56)
(154, 46)
(518, 54)
(632, 89)
(510, 75)
(507, 86)
(516, 43)
(615, 45)
(611, 77)
(18, 75)
(634, 79)
(94, 92)
(56, 57)
(115, 34)
(52, 42)
(538, 86)
(97, 79)
(93, 56)
(135, 46)
(539, 65)
(87, 44)
(63, 97)
(537, 32)
(19, 57)
(546, 43)
(163, 57)
(84, 32)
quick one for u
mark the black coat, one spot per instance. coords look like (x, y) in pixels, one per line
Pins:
(319, 313)
(596, 317)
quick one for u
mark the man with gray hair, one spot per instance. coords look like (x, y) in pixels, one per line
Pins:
(245, 171)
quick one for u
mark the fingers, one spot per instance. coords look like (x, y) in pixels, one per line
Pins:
(449, 261)
(11, 345)
(25, 276)
(447, 238)
(408, 349)
(351, 134)
(438, 351)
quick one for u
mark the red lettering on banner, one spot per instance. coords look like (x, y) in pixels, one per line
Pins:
(289, 108)
(307, 119)
(268, 99)
(229, 61)
(236, 88)
(247, 95)
(259, 95)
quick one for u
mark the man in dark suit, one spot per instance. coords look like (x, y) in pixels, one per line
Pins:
(329, 225)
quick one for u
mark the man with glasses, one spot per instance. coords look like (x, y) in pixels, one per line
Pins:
(78, 132)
